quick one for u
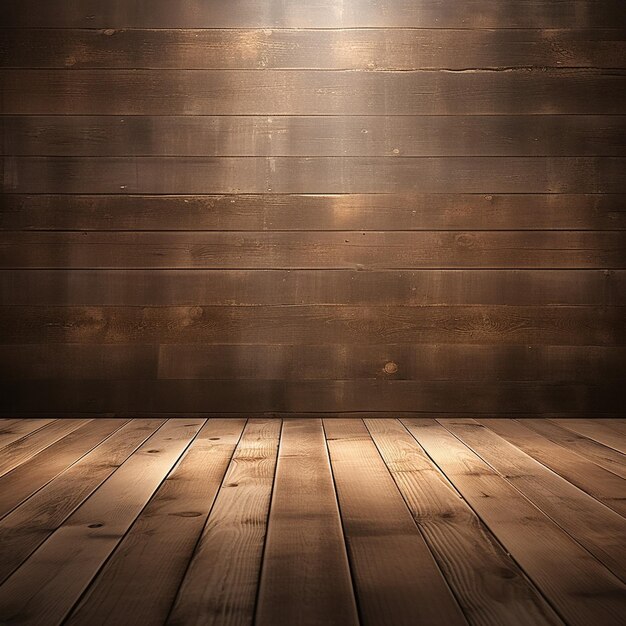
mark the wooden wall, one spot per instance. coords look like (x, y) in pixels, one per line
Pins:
(307, 206)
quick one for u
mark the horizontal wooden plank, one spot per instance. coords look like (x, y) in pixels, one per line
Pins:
(263, 287)
(260, 212)
(77, 361)
(182, 397)
(314, 13)
(199, 175)
(353, 250)
(371, 49)
(396, 362)
(314, 325)
(312, 92)
(225, 135)
(313, 362)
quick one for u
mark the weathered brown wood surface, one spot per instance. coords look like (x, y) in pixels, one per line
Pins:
(315, 14)
(317, 206)
(318, 212)
(327, 136)
(338, 49)
(313, 92)
(326, 397)
(337, 521)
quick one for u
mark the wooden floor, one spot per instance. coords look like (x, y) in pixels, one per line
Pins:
(306, 521)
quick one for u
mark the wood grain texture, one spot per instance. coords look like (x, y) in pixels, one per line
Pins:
(176, 522)
(598, 432)
(221, 583)
(160, 543)
(314, 325)
(384, 398)
(12, 430)
(49, 583)
(313, 92)
(371, 49)
(305, 577)
(596, 527)
(323, 287)
(575, 583)
(23, 449)
(312, 362)
(603, 456)
(282, 199)
(313, 13)
(29, 525)
(614, 425)
(575, 468)
(405, 135)
(320, 212)
(365, 250)
(387, 362)
(17, 485)
(200, 175)
(460, 542)
(77, 361)
(395, 576)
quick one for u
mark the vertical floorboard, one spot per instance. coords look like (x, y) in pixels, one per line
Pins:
(220, 586)
(30, 524)
(46, 587)
(581, 589)
(396, 578)
(161, 541)
(491, 588)
(305, 577)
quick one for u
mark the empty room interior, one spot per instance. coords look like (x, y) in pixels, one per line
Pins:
(312, 313)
